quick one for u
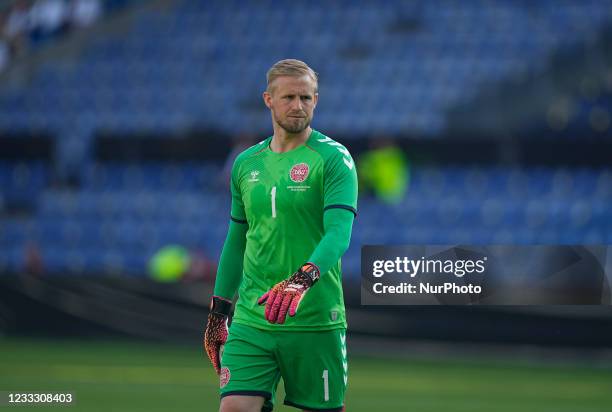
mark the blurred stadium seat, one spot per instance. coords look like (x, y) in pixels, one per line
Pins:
(193, 65)
(161, 73)
(130, 211)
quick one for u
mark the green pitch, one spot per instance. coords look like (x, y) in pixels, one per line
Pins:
(136, 377)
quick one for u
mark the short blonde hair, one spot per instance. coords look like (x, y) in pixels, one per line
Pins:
(292, 68)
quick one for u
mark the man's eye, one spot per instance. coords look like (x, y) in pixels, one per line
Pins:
(306, 98)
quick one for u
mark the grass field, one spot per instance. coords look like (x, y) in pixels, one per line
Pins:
(120, 376)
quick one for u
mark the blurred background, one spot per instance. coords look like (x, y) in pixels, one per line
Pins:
(474, 122)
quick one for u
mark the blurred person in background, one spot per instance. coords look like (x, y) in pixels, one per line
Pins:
(85, 12)
(5, 54)
(175, 263)
(48, 18)
(169, 264)
(5, 50)
(240, 144)
(384, 170)
(201, 267)
(33, 260)
(294, 198)
(17, 26)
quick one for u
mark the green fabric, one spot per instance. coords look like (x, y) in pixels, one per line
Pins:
(229, 272)
(338, 224)
(254, 360)
(282, 196)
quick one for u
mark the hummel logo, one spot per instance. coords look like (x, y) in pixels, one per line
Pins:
(254, 175)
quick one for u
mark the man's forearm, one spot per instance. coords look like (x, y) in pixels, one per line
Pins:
(229, 273)
(338, 225)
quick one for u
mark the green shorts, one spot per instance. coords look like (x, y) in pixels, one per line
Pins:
(312, 364)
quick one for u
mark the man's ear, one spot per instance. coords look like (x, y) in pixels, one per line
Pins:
(267, 98)
(316, 99)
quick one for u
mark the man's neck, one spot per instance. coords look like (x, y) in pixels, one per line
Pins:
(282, 141)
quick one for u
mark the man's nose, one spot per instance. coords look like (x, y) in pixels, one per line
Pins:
(297, 104)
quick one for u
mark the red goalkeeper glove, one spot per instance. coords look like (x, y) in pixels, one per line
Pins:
(216, 332)
(287, 295)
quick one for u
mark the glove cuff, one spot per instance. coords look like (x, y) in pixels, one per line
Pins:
(311, 272)
(220, 306)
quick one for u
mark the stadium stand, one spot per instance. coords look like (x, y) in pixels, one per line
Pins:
(163, 73)
(200, 65)
(123, 214)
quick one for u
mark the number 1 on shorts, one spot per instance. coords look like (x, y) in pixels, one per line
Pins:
(326, 385)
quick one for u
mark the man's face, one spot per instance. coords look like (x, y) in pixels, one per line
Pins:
(292, 101)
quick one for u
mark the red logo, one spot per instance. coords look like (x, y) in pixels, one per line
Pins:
(299, 172)
(224, 377)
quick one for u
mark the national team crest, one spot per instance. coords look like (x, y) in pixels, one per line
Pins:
(224, 377)
(299, 172)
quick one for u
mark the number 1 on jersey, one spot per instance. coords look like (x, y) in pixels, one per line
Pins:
(273, 193)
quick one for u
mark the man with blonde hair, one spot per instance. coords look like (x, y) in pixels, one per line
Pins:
(294, 198)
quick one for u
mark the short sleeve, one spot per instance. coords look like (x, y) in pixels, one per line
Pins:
(340, 182)
(237, 210)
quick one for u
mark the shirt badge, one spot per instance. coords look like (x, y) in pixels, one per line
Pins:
(299, 172)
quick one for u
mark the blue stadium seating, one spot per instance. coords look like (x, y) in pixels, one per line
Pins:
(392, 68)
(123, 214)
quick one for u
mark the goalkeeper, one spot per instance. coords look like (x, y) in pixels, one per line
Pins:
(294, 199)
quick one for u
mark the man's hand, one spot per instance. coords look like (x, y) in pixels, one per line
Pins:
(287, 295)
(216, 332)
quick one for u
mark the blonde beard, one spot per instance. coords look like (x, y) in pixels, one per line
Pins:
(289, 128)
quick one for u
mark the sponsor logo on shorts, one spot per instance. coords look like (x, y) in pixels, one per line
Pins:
(299, 172)
(224, 377)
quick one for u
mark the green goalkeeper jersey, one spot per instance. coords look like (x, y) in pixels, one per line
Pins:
(282, 197)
